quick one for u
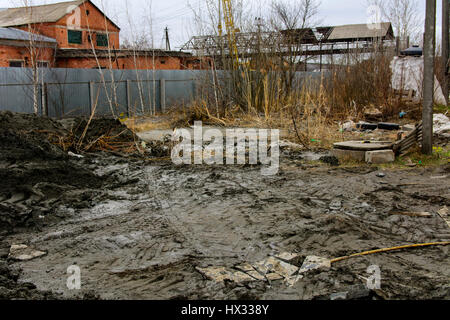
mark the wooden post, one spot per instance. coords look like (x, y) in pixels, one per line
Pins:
(162, 88)
(129, 97)
(445, 47)
(320, 49)
(44, 101)
(428, 76)
(397, 46)
(91, 96)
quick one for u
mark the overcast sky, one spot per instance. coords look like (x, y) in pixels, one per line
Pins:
(177, 14)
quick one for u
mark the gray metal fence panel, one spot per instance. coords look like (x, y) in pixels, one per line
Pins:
(69, 92)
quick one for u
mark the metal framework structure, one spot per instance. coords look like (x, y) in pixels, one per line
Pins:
(309, 42)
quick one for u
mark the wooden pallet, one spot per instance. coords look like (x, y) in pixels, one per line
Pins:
(401, 147)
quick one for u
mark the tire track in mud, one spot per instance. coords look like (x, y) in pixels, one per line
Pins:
(176, 218)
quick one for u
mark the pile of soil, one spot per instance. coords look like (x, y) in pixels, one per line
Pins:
(39, 177)
(34, 173)
(100, 134)
(11, 289)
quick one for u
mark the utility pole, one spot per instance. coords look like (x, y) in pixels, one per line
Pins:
(167, 39)
(445, 47)
(428, 76)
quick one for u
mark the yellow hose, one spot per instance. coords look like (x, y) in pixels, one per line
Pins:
(390, 249)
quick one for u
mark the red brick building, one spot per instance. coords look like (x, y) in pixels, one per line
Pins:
(76, 34)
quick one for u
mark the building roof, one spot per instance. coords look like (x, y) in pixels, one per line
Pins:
(40, 14)
(362, 31)
(16, 34)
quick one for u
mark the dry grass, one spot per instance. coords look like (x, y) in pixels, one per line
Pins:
(308, 113)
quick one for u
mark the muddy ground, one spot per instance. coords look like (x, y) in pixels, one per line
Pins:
(139, 229)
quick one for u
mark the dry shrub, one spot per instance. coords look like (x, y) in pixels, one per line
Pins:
(364, 84)
(308, 110)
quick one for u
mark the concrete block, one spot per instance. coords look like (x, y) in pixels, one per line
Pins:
(380, 157)
(349, 155)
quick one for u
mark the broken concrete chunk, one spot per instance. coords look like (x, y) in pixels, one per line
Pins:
(315, 263)
(248, 269)
(335, 205)
(287, 256)
(273, 265)
(355, 292)
(444, 214)
(22, 252)
(349, 155)
(274, 277)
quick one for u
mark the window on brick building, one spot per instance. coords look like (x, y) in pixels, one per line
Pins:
(74, 37)
(16, 64)
(102, 40)
(43, 64)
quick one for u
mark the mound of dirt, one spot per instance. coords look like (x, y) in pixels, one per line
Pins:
(101, 134)
(11, 289)
(35, 173)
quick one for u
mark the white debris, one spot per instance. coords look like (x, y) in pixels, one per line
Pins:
(407, 74)
(270, 269)
(445, 215)
(348, 126)
(22, 252)
(71, 154)
(288, 144)
(441, 125)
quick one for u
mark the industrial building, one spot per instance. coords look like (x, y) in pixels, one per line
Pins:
(76, 34)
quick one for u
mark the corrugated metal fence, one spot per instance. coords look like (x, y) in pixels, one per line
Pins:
(76, 92)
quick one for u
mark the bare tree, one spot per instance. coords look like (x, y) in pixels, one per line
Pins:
(295, 15)
(292, 20)
(404, 15)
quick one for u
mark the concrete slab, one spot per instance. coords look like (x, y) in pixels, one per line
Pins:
(380, 156)
(349, 155)
(363, 145)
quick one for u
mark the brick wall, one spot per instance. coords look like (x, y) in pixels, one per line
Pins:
(8, 53)
(89, 24)
(144, 63)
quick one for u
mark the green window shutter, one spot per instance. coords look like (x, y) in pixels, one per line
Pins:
(102, 40)
(75, 37)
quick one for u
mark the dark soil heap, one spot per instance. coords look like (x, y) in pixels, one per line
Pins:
(34, 172)
(37, 176)
(102, 134)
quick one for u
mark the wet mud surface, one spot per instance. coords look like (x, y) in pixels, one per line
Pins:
(140, 229)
